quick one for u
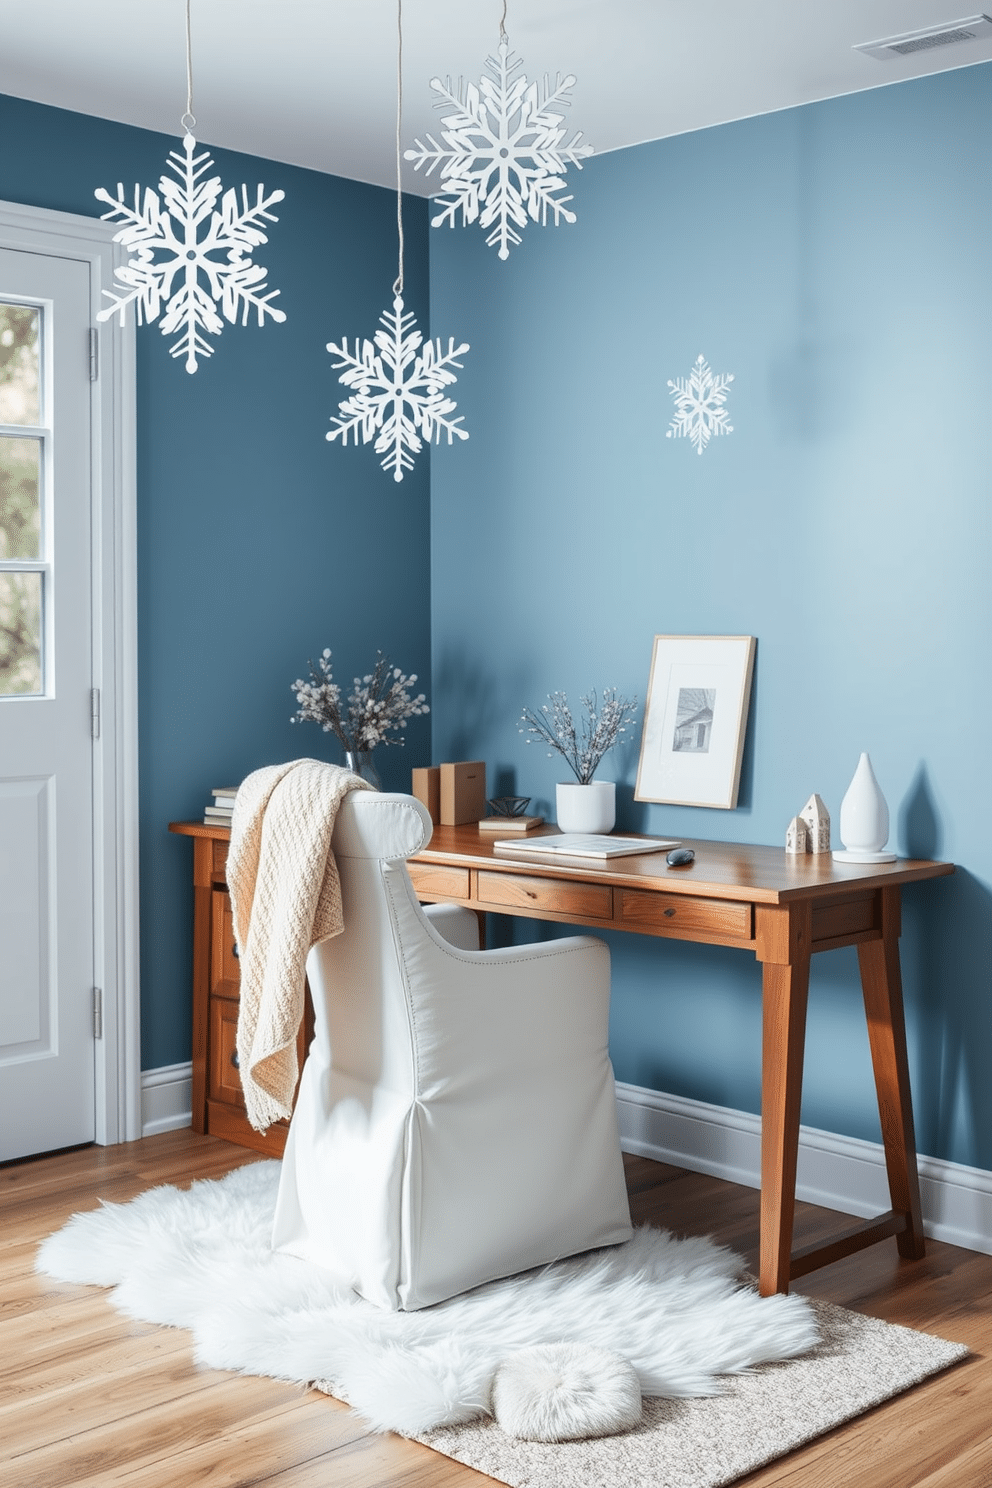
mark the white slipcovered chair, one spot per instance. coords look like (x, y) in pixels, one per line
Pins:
(456, 1117)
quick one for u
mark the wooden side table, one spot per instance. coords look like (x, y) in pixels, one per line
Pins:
(218, 1104)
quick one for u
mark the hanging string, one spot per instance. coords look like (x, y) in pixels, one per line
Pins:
(502, 23)
(398, 283)
(188, 120)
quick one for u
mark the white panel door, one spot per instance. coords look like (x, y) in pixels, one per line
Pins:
(47, 1090)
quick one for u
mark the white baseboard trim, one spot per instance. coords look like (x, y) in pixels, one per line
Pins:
(166, 1098)
(837, 1172)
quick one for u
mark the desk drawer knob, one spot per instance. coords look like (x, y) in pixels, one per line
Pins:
(235, 1060)
(235, 952)
(669, 913)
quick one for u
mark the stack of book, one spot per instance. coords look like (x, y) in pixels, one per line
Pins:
(221, 808)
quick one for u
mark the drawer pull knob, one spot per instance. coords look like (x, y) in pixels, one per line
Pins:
(234, 951)
(235, 1060)
(669, 913)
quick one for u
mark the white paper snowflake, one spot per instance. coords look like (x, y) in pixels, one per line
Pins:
(699, 400)
(399, 380)
(503, 153)
(165, 239)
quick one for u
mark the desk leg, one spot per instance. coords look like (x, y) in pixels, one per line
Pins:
(783, 940)
(881, 982)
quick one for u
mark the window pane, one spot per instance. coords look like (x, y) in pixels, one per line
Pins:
(20, 633)
(19, 364)
(20, 498)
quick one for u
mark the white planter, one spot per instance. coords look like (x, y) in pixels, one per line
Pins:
(586, 808)
(864, 819)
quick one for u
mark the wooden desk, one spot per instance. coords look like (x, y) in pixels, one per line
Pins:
(782, 909)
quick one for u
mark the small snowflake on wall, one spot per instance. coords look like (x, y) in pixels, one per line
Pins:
(504, 153)
(187, 258)
(699, 402)
(399, 381)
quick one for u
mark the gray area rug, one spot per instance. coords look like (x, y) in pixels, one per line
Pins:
(703, 1443)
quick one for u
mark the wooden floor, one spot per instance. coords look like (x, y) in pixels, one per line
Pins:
(88, 1398)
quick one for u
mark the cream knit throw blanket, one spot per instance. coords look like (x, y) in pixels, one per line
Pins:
(286, 897)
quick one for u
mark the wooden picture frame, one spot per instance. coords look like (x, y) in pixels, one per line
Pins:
(694, 720)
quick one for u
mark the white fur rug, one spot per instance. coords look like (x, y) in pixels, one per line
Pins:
(199, 1258)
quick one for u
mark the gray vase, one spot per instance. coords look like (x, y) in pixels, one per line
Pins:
(361, 762)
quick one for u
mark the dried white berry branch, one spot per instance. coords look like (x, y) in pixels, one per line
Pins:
(379, 702)
(583, 747)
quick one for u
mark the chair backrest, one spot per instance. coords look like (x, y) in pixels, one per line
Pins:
(356, 983)
(374, 824)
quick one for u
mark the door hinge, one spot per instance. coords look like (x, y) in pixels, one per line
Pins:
(98, 1012)
(94, 353)
(94, 712)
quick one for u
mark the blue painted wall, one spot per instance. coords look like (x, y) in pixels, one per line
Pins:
(259, 542)
(833, 258)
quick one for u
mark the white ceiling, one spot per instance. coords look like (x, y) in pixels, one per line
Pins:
(313, 82)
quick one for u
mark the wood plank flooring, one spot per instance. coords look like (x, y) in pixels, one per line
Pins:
(89, 1398)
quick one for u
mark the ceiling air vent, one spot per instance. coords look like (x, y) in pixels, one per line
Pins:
(973, 28)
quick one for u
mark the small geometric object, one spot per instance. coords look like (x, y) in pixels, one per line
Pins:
(166, 242)
(390, 375)
(817, 819)
(699, 399)
(797, 837)
(557, 1392)
(504, 153)
(508, 805)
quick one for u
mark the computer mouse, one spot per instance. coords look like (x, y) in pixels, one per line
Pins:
(680, 857)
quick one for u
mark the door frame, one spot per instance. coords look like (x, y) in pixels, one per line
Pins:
(113, 557)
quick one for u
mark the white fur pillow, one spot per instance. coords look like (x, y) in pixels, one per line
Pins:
(558, 1392)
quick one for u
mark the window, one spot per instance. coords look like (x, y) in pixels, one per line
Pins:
(24, 539)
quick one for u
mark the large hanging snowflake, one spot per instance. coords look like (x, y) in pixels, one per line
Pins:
(699, 400)
(503, 153)
(165, 239)
(399, 380)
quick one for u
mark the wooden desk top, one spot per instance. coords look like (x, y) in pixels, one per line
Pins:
(721, 870)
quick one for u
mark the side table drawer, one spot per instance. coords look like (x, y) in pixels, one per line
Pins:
(560, 896)
(223, 1079)
(682, 916)
(224, 970)
(434, 881)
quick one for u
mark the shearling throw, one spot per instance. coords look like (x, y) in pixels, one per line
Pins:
(286, 896)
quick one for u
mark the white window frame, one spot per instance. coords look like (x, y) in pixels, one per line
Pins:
(115, 662)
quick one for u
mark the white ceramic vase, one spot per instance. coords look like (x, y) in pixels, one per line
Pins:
(586, 808)
(864, 819)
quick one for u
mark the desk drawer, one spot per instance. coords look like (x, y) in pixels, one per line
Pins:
(684, 917)
(546, 895)
(434, 881)
(225, 973)
(223, 1077)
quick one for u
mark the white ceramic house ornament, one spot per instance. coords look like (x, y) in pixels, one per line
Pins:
(797, 837)
(817, 819)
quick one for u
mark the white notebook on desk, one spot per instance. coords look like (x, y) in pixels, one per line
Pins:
(580, 845)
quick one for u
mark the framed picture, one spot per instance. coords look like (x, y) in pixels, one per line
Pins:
(694, 720)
